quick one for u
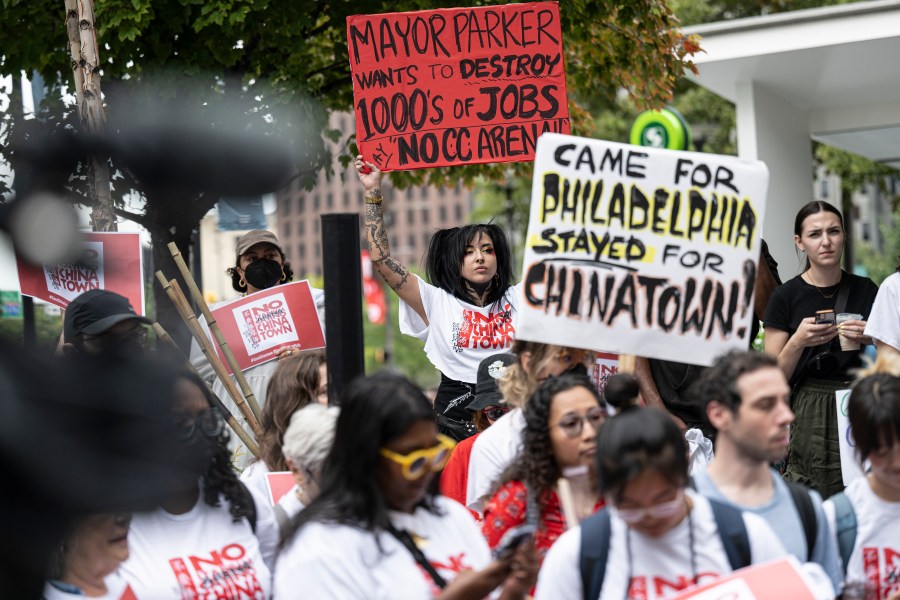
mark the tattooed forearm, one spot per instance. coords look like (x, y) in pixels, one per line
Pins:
(401, 274)
(376, 235)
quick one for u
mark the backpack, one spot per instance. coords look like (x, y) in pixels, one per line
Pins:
(596, 530)
(845, 526)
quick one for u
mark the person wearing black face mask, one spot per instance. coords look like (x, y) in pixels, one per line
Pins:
(100, 322)
(260, 264)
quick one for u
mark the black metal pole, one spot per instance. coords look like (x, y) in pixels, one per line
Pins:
(343, 301)
(28, 321)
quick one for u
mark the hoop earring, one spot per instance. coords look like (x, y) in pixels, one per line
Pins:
(242, 284)
(283, 274)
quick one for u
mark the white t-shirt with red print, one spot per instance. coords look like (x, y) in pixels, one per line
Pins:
(458, 334)
(199, 555)
(875, 560)
(660, 567)
(328, 561)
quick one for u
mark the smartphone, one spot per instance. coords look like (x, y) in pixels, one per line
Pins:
(825, 316)
(512, 539)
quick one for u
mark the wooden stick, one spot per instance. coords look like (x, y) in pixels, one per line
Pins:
(190, 319)
(214, 328)
(626, 363)
(163, 336)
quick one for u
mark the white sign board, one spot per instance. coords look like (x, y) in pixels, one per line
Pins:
(641, 250)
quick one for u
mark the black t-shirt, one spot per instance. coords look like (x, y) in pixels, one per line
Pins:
(673, 380)
(796, 300)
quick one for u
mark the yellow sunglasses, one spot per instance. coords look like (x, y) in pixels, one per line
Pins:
(417, 463)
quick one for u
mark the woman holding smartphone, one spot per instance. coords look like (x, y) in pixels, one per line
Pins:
(812, 349)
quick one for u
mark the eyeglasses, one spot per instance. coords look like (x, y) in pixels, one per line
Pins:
(572, 357)
(138, 335)
(495, 412)
(210, 423)
(573, 425)
(663, 510)
(419, 462)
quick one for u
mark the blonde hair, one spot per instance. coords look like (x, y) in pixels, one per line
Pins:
(516, 384)
(885, 362)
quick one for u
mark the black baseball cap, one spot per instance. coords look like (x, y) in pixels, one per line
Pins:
(487, 392)
(95, 311)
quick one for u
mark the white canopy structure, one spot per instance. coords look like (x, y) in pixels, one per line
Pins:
(830, 74)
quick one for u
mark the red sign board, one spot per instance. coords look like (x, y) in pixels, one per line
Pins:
(457, 86)
(279, 483)
(105, 261)
(258, 325)
(776, 579)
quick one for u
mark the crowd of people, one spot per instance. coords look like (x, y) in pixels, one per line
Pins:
(520, 479)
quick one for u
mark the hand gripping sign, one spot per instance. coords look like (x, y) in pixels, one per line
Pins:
(641, 251)
(258, 325)
(105, 261)
(457, 86)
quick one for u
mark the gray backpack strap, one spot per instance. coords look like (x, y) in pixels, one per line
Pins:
(807, 512)
(733, 532)
(845, 526)
(595, 534)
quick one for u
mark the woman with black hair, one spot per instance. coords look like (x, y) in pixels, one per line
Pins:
(466, 312)
(201, 540)
(378, 529)
(659, 537)
(865, 518)
(561, 423)
(807, 346)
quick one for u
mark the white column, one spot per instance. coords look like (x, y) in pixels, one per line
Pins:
(776, 132)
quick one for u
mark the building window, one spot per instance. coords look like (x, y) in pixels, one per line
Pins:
(318, 250)
(426, 237)
(442, 191)
(410, 216)
(301, 251)
(329, 201)
(457, 211)
(412, 241)
(425, 216)
(301, 204)
(287, 204)
(442, 213)
(346, 199)
(315, 202)
(318, 271)
(316, 226)
(823, 188)
(409, 193)
(301, 227)
(286, 229)
(394, 242)
(424, 192)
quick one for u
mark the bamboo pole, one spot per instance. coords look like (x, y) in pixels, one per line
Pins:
(190, 319)
(626, 363)
(214, 328)
(163, 336)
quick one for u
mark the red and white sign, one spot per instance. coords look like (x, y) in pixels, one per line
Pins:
(376, 304)
(457, 85)
(775, 579)
(258, 325)
(605, 366)
(279, 483)
(105, 261)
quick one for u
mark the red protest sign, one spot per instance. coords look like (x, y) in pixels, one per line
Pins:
(279, 483)
(105, 261)
(258, 325)
(457, 86)
(780, 578)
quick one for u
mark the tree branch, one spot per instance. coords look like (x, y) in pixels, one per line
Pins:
(134, 217)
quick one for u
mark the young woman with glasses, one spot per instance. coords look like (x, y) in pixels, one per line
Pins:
(497, 448)
(201, 540)
(662, 537)
(562, 419)
(378, 529)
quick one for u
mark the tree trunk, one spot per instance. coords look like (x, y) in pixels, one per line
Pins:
(86, 72)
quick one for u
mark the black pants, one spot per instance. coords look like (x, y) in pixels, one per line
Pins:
(453, 420)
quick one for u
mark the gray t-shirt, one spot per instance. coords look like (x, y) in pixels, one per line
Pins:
(784, 519)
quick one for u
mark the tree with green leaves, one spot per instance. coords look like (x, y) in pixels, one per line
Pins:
(273, 55)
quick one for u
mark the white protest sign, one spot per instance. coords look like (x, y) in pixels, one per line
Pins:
(641, 250)
(850, 468)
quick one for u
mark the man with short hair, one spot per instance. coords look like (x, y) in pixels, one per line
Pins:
(103, 322)
(747, 403)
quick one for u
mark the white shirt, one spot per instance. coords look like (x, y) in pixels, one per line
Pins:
(267, 532)
(328, 561)
(660, 567)
(459, 334)
(116, 589)
(884, 318)
(202, 554)
(494, 450)
(876, 554)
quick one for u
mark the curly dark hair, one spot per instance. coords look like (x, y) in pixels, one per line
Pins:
(220, 479)
(292, 386)
(236, 277)
(536, 466)
(447, 250)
